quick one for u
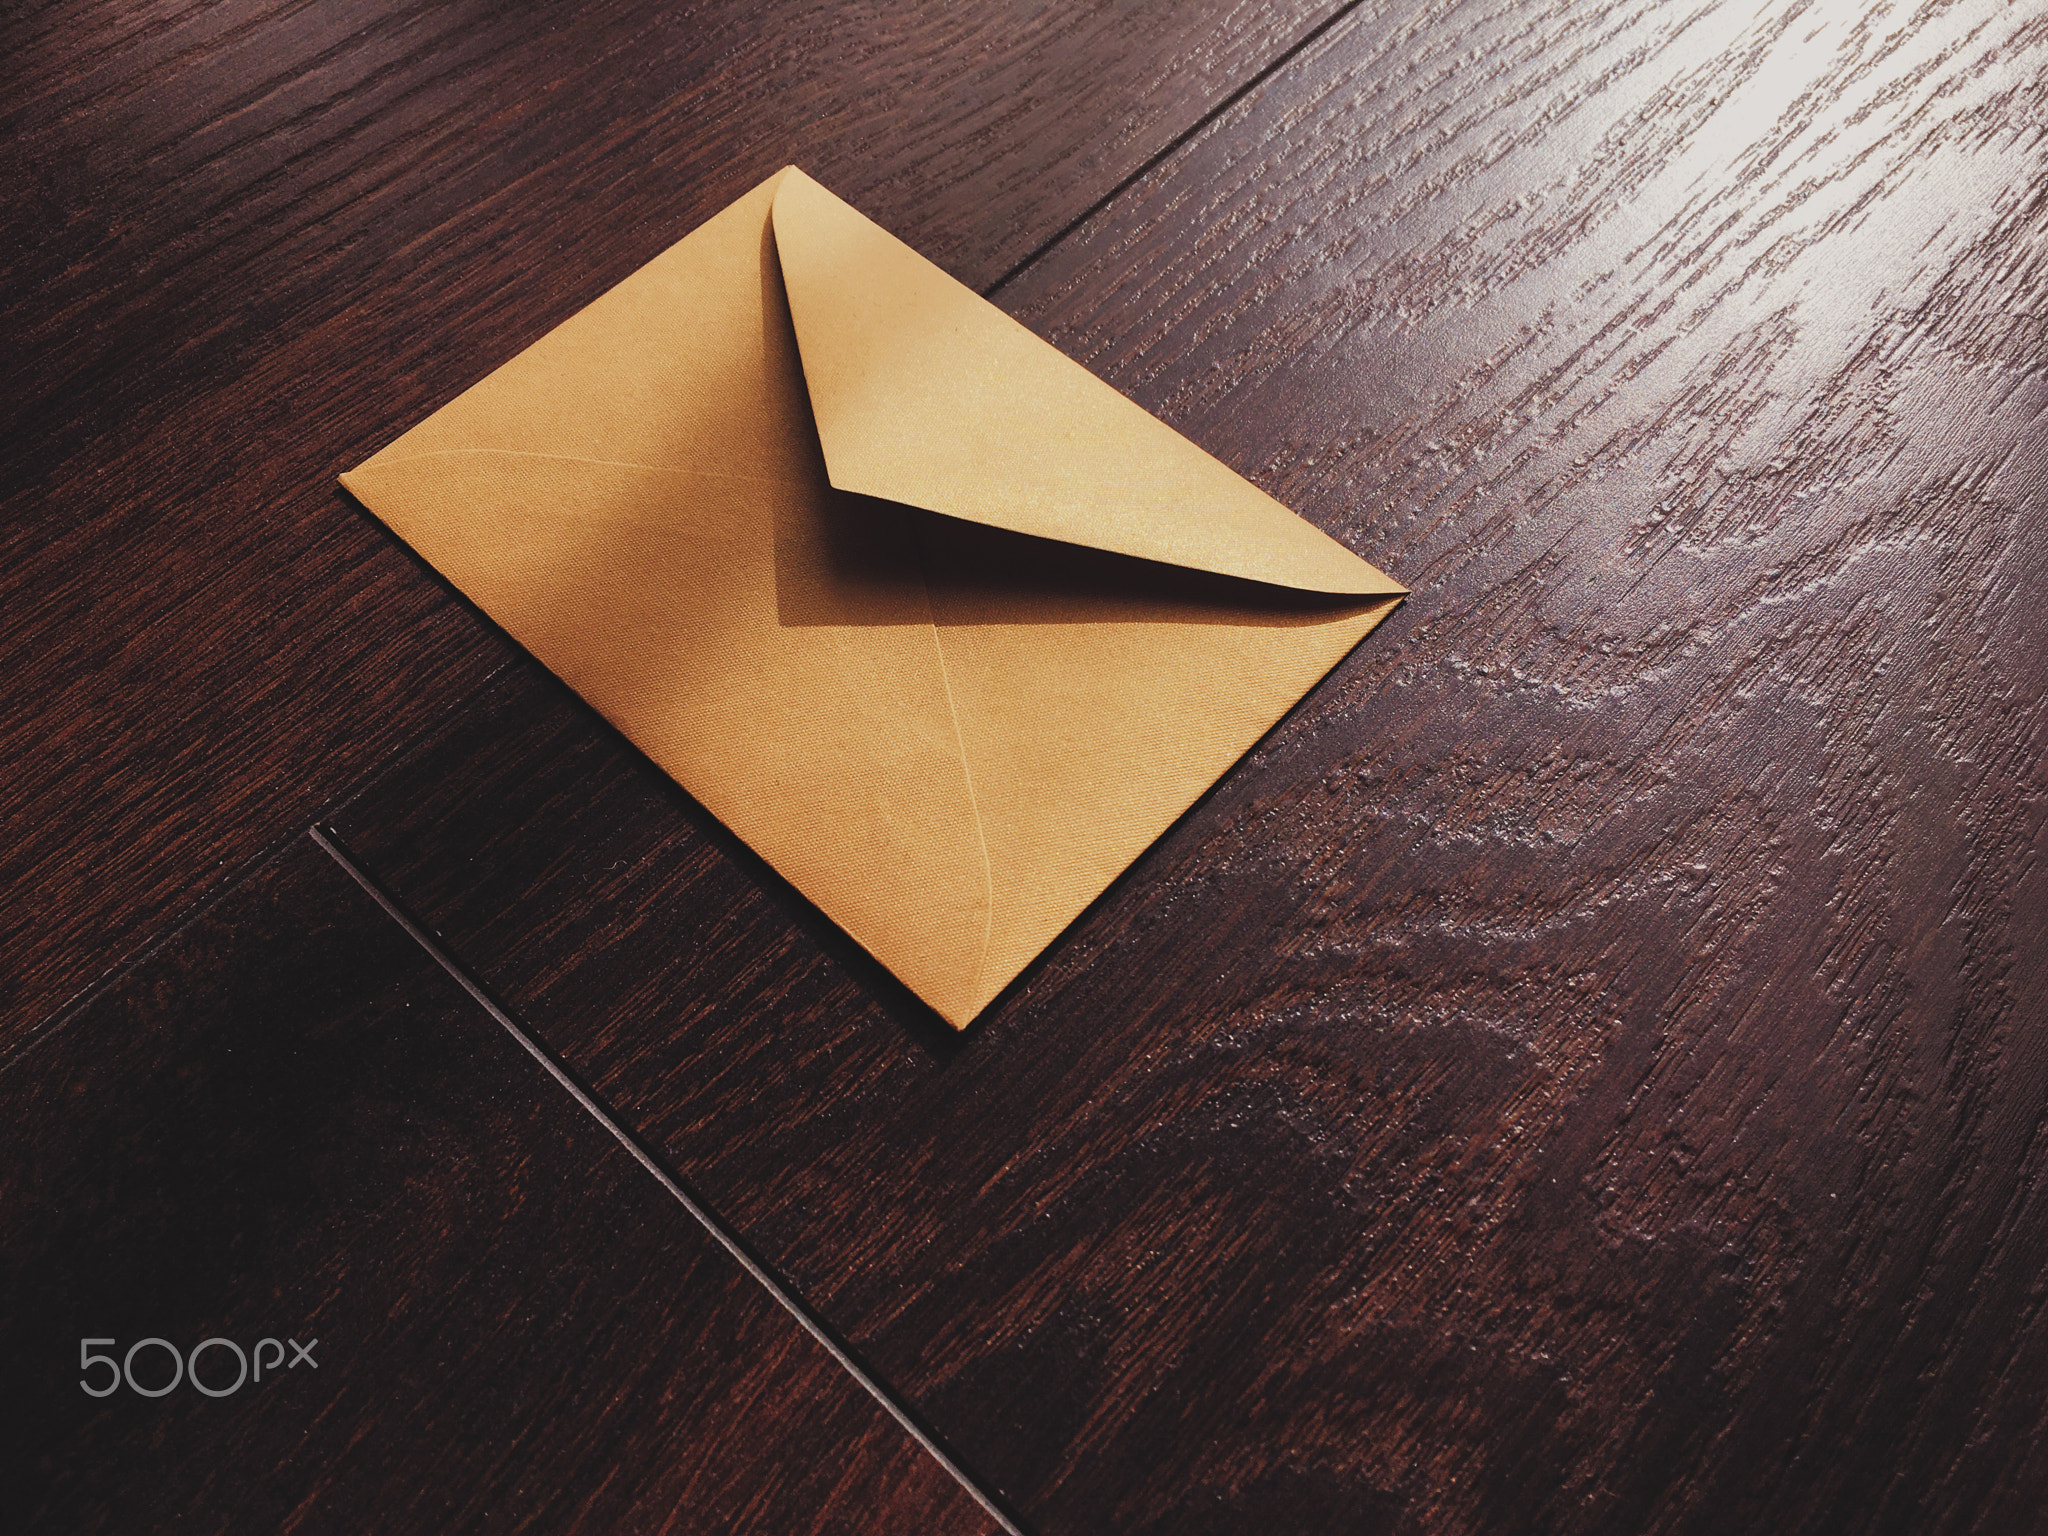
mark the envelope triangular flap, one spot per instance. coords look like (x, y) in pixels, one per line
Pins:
(925, 393)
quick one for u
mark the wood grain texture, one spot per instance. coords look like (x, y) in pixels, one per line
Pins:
(291, 1123)
(1586, 1071)
(247, 243)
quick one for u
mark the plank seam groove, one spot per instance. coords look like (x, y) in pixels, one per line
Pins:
(83, 999)
(328, 841)
(1279, 62)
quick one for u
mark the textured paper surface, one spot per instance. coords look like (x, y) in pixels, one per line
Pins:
(708, 502)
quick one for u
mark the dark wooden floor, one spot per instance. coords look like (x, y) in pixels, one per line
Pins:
(1585, 1072)
(290, 1123)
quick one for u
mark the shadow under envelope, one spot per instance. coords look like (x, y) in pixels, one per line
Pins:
(863, 558)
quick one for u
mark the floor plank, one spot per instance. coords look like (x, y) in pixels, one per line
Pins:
(291, 1123)
(249, 242)
(1581, 1073)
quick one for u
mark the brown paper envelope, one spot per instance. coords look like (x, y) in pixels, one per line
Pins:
(941, 625)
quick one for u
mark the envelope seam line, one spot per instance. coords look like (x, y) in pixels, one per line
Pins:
(572, 458)
(988, 876)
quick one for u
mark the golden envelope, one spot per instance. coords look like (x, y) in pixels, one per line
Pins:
(707, 503)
